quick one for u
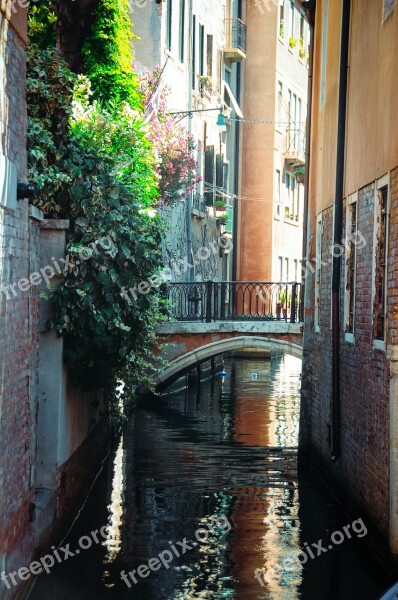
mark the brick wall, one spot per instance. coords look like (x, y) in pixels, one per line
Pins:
(18, 322)
(362, 471)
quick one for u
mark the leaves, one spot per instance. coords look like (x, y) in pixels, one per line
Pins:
(95, 166)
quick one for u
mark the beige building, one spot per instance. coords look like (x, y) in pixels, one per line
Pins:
(349, 409)
(273, 145)
(201, 45)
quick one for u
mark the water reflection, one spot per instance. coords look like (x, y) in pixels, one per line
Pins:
(228, 449)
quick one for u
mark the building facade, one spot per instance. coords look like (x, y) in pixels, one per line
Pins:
(273, 142)
(201, 45)
(19, 330)
(349, 414)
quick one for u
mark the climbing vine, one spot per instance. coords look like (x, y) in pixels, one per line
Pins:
(95, 166)
(107, 55)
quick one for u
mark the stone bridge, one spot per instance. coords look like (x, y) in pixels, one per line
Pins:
(190, 343)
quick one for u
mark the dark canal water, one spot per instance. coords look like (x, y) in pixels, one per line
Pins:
(212, 476)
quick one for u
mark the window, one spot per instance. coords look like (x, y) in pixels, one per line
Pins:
(381, 224)
(277, 193)
(318, 273)
(201, 50)
(194, 52)
(282, 19)
(182, 30)
(286, 269)
(351, 265)
(280, 101)
(302, 30)
(210, 55)
(280, 268)
(168, 26)
(209, 175)
(289, 195)
(292, 19)
(296, 269)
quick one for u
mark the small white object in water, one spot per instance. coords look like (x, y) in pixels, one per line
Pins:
(254, 376)
(221, 373)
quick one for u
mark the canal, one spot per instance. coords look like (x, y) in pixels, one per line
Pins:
(203, 500)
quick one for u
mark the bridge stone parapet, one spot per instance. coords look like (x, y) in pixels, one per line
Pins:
(189, 343)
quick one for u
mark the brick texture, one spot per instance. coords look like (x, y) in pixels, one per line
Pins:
(362, 471)
(18, 323)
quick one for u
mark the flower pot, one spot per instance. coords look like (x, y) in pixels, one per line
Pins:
(300, 178)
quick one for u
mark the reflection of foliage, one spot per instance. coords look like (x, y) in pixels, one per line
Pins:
(177, 167)
(94, 167)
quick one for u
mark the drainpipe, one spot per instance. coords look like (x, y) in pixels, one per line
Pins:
(310, 8)
(236, 182)
(338, 232)
(189, 272)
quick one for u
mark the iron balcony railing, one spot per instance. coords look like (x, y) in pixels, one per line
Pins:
(236, 32)
(234, 301)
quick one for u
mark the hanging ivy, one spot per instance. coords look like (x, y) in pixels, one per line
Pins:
(107, 54)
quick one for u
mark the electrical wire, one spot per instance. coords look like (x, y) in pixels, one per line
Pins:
(76, 517)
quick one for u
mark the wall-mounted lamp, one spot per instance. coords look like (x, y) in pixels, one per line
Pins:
(26, 190)
(221, 126)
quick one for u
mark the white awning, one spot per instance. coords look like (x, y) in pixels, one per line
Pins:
(232, 98)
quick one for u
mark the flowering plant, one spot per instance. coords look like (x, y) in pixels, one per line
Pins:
(174, 147)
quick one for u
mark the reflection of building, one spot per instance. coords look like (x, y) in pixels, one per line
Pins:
(274, 90)
(350, 369)
(203, 44)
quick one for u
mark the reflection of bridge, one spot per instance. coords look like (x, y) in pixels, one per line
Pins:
(213, 318)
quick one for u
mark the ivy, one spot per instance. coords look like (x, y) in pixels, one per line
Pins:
(95, 167)
(107, 55)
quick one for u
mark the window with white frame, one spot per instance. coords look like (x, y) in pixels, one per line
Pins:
(182, 31)
(291, 19)
(169, 18)
(380, 258)
(277, 193)
(350, 265)
(282, 18)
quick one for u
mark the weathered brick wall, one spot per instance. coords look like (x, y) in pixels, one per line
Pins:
(363, 467)
(18, 323)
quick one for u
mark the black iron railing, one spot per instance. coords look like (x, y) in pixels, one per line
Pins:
(234, 301)
(236, 34)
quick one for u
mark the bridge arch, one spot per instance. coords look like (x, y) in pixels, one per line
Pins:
(182, 363)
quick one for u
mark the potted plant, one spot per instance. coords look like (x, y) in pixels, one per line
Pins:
(292, 42)
(287, 212)
(301, 49)
(299, 174)
(221, 220)
(284, 300)
(282, 29)
(220, 206)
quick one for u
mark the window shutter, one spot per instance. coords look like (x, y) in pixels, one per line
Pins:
(209, 175)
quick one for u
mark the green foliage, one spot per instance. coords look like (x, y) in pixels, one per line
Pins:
(53, 161)
(107, 54)
(117, 133)
(41, 23)
(95, 168)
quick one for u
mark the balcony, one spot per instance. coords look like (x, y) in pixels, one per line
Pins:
(235, 40)
(295, 146)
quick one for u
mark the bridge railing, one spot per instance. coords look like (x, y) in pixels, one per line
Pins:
(210, 301)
